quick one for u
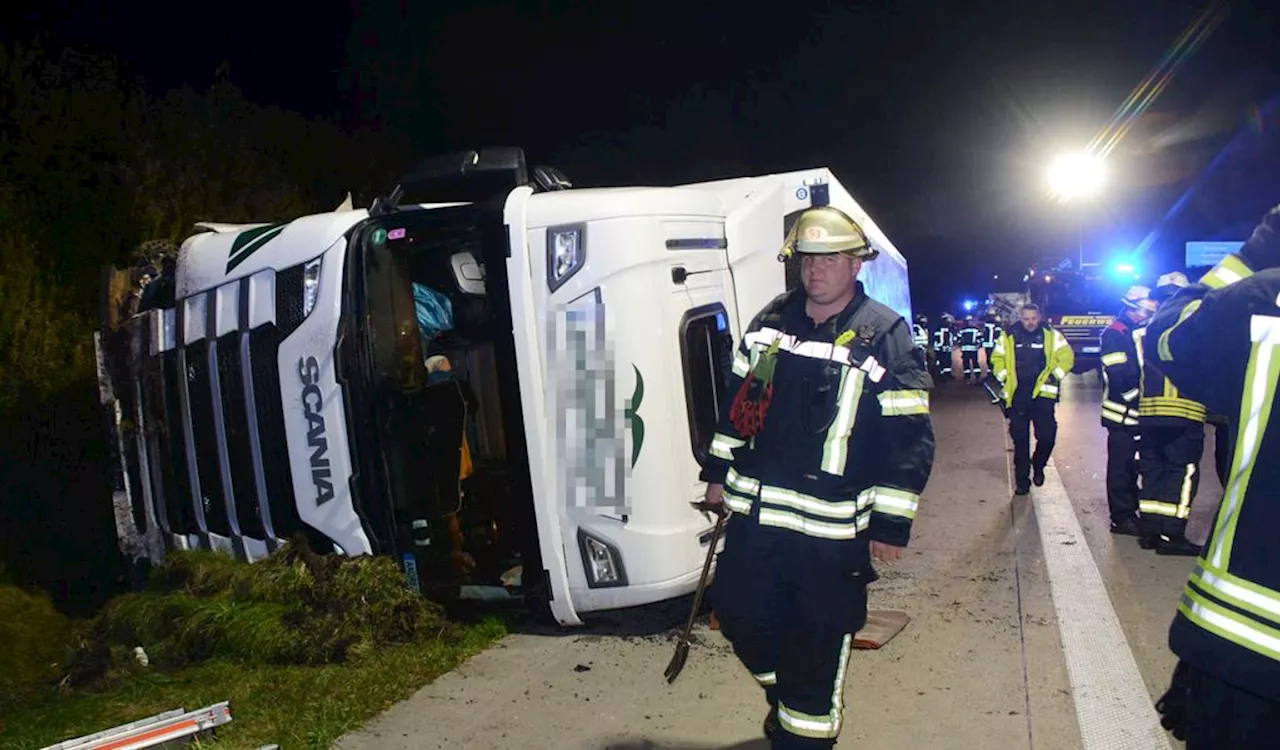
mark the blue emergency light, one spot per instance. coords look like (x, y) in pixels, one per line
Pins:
(1124, 268)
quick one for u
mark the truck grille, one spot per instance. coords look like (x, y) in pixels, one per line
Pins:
(1081, 333)
(216, 466)
(175, 477)
(204, 434)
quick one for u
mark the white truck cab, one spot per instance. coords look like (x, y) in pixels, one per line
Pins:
(290, 383)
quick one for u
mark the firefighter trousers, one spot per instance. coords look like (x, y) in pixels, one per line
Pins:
(790, 605)
(970, 360)
(1122, 472)
(1025, 413)
(1169, 461)
(1221, 716)
(944, 362)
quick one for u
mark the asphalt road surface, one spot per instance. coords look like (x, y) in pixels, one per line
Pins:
(1031, 627)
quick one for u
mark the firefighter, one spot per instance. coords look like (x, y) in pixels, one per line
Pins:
(920, 335)
(991, 330)
(1172, 430)
(970, 343)
(943, 338)
(819, 461)
(1031, 360)
(1216, 342)
(1121, 380)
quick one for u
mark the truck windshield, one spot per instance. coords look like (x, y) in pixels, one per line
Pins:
(1069, 294)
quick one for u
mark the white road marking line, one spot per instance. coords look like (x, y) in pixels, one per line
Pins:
(1113, 708)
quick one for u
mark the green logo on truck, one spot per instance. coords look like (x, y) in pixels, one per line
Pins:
(633, 418)
(249, 242)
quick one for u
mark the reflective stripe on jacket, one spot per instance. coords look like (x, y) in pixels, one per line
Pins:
(1121, 375)
(1161, 402)
(847, 443)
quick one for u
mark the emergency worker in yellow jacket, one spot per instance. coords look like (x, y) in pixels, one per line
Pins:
(1031, 360)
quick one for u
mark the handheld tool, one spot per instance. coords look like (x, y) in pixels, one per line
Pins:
(682, 645)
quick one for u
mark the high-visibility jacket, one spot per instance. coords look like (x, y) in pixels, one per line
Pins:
(1121, 375)
(847, 443)
(970, 338)
(1218, 341)
(1161, 403)
(1058, 361)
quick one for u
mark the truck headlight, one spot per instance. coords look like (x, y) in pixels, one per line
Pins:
(566, 252)
(310, 285)
(601, 561)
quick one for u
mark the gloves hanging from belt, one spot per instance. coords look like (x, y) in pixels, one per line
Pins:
(751, 403)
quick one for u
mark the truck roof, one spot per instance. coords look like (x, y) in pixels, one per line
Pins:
(224, 251)
(596, 204)
(740, 190)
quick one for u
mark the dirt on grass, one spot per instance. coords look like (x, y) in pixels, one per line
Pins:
(305, 646)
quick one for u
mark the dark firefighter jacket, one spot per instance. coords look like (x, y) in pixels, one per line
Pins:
(990, 332)
(1219, 342)
(1058, 361)
(1161, 403)
(1121, 374)
(920, 335)
(970, 338)
(942, 338)
(847, 443)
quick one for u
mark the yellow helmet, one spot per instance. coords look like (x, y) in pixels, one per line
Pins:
(823, 230)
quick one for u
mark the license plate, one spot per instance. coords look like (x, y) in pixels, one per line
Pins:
(1090, 349)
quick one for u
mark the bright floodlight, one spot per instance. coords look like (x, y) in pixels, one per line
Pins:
(1075, 175)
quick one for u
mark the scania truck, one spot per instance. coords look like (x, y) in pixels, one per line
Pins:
(505, 382)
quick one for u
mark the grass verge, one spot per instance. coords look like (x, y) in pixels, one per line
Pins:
(305, 647)
(293, 706)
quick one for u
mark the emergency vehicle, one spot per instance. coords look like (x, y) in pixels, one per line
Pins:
(1080, 305)
(276, 388)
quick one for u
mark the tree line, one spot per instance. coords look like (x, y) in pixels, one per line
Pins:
(93, 167)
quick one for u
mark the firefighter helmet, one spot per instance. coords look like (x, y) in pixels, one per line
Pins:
(824, 230)
(1168, 285)
(1139, 298)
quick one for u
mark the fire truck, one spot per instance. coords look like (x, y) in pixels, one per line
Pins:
(1078, 302)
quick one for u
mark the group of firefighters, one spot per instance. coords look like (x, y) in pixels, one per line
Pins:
(969, 335)
(826, 444)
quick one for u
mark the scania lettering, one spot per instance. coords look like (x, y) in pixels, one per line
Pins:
(505, 383)
(309, 372)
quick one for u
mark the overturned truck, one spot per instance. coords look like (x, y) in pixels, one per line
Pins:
(505, 382)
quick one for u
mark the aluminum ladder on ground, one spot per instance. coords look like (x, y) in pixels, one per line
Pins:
(171, 726)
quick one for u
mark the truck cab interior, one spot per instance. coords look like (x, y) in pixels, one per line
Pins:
(437, 410)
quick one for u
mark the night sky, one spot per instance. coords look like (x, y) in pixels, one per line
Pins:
(939, 116)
